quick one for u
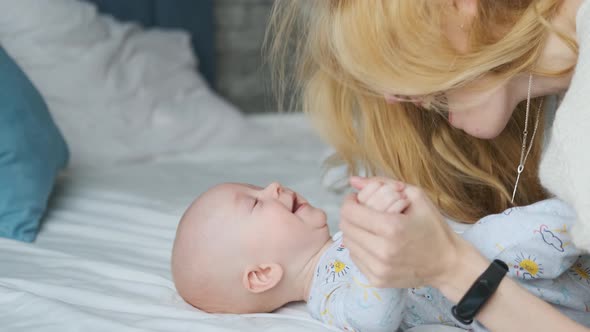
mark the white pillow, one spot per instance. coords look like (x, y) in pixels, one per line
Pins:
(118, 92)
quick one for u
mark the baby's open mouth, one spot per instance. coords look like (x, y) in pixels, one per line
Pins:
(297, 204)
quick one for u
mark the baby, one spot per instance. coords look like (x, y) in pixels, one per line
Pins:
(240, 249)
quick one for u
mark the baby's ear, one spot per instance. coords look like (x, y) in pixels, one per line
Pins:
(263, 277)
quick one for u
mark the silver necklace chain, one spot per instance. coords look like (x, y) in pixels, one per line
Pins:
(524, 154)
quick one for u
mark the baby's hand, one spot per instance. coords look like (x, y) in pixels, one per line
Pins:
(381, 194)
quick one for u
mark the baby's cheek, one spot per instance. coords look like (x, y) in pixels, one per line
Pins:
(279, 229)
(293, 237)
(316, 218)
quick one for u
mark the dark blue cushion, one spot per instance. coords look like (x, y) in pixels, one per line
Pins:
(32, 152)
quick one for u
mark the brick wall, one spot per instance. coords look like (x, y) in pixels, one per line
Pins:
(241, 78)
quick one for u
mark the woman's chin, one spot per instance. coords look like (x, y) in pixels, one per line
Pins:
(486, 133)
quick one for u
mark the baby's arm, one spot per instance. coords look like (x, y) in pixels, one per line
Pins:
(373, 309)
(351, 304)
(349, 301)
(535, 241)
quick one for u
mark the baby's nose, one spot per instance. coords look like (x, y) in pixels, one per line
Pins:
(274, 188)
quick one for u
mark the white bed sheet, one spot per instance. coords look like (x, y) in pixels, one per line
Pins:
(101, 261)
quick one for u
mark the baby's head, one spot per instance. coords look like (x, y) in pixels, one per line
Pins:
(240, 248)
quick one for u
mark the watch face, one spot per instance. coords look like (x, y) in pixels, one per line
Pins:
(461, 317)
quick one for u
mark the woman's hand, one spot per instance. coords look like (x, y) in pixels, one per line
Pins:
(417, 248)
(399, 250)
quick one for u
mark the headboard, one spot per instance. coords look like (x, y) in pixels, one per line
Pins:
(194, 16)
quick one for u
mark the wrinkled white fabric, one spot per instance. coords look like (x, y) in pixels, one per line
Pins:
(565, 163)
(117, 92)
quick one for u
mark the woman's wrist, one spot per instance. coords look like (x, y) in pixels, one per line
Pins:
(464, 265)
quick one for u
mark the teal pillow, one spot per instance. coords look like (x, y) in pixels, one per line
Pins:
(32, 152)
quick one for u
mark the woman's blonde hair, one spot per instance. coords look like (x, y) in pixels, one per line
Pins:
(348, 54)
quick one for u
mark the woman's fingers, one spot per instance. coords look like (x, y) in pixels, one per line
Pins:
(363, 247)
(358, 235)
(399, 206)
(363, 217)
(364, 261)
(373, 255)
(389, 247)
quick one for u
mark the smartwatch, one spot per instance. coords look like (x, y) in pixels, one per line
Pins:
(480, 292)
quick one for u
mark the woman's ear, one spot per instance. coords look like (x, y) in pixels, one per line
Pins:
(263, 277)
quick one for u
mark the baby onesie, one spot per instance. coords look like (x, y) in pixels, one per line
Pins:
(536, 244)
(341, 296)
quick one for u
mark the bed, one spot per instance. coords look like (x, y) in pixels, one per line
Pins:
(101, 259)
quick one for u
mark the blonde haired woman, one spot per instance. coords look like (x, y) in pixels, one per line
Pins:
(442, 94)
